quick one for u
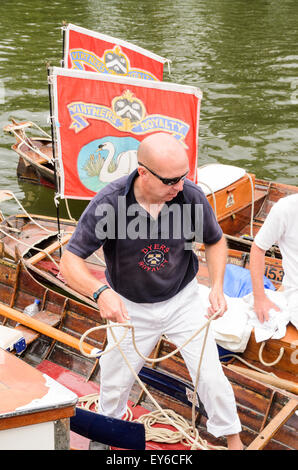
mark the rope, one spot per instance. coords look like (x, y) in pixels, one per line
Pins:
(193, 438)
(27, 214)
(149, 420)
(248, 364)
(268, 364)
(168, 62)
(29, 143)
(156, 434)
(59, 236)
(213, 195)
(88, 400)
(69, 213)
(193, 417)
(130, 326)
(41, 130)
(252, 205)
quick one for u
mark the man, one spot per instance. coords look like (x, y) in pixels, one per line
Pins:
(280, 227)
(153, 276)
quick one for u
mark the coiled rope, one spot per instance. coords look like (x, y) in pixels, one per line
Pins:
(185, 433)
(273, 363)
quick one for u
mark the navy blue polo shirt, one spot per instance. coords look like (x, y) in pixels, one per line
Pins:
(147, 260)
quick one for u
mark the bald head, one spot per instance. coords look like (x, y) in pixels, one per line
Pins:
(162, 152)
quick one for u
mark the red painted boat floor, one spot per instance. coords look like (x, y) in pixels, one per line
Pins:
(78, 385)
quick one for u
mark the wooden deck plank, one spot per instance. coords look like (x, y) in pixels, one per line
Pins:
(275, 424)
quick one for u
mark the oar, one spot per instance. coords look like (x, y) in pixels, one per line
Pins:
(49, 250)
(267, 379)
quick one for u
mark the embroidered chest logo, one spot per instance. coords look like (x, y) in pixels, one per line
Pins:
(154, 257)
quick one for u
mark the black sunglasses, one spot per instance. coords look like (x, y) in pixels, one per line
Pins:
(167, 181)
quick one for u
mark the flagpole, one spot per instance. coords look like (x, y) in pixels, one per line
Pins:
(54, 160)
(63, 43)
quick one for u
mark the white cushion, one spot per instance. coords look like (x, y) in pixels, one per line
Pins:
(8, 337)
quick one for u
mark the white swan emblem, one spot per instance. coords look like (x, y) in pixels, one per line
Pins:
(126, 162)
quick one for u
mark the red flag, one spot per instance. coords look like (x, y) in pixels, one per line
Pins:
(96, 52)
(99, 121)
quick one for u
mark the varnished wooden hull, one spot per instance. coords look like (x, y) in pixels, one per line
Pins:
(35, 153)
(38, 174)
(31, 167)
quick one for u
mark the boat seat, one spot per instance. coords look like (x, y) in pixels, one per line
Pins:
(44, 316)
(40, 160)
(27, 333)
(215, 176)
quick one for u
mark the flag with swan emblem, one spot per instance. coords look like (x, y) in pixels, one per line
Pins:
(99, 121)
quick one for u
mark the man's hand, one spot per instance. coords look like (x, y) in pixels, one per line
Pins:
(217, 302)
(111, 307)
(262, 304)
(216, 255)
(76, 273)
(262, 307)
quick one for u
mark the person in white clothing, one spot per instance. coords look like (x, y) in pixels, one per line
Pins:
(281, 228)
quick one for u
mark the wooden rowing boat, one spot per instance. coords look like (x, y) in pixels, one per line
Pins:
(41, 255)
(267, 412)
(263, 355)
(44, 266)
(35, 154)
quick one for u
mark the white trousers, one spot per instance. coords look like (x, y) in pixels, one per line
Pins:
(178, 318)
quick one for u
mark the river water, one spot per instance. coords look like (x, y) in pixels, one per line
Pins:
(242, 54)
